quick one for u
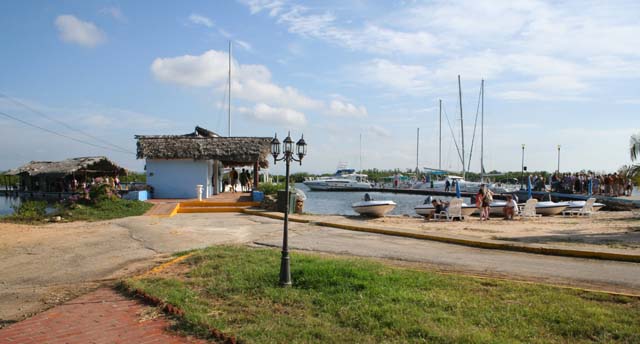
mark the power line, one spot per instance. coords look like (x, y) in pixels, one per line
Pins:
(15, 101)
(59, 134)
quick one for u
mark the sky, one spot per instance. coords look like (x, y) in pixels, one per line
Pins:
(357, 78)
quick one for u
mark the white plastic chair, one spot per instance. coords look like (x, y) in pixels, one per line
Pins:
(453, 211)
(529, 209)
(587, 209)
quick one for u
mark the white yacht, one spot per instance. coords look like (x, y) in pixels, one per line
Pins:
(342, 179)
(465, 186)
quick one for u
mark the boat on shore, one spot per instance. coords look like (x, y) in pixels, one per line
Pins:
(427, 208)
(342, 179)
(576, 205)
(373, 208)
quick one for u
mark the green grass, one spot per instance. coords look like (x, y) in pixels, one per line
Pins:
(34, 212)
(107, 210)
(235, 289)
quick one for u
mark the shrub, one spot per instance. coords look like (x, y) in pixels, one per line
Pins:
(271, 188)
(30, 211)
(102, 192)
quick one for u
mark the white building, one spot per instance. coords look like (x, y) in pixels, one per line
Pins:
(175, 164)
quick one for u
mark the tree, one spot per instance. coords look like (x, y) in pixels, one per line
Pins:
(634, 147)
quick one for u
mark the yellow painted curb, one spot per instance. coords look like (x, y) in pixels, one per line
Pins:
(163, 266)
(276, 216)
(492, 245)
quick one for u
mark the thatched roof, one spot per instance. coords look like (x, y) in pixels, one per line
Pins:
(93, 165)
(206, 145)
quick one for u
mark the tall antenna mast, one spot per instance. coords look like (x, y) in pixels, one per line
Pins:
(461, 127)
(440, 138)
(229, 106)
(482, 132)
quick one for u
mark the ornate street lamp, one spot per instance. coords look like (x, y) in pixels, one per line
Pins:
(287, 156)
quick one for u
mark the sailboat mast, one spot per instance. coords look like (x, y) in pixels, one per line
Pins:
(461, 127)
(440, 138)
(417, 151)
(482, 132)
(360, 152)
(229, 105)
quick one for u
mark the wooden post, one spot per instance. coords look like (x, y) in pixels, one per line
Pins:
(256, 170)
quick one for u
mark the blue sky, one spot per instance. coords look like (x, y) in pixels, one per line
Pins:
(557, 73)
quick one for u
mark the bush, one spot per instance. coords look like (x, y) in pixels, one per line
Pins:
(271, 188)
(29, 211)
(102, 192)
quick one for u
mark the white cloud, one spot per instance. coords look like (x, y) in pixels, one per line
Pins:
(338, 108)
(115, 12)
(379, 131)
(74, 30)
(200, 20)
(409, 78)
(267, 114)
(305, 22)
(249, 82)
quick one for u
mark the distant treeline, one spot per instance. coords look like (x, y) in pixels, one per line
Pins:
(377, 175)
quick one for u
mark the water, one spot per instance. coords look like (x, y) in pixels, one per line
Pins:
(6, 203)
(339, 203)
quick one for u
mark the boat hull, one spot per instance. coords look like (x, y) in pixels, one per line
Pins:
(373, 208)
(427, 210)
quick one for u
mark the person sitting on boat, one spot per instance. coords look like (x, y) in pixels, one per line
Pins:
(438, 207)
(510, 208)
(367, 198)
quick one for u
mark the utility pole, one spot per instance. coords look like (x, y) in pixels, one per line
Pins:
(440, 138)
(461, 127)
(229, 106)
(558, 160)
(482, 133)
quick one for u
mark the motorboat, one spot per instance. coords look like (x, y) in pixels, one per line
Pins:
(373, 208)
(548, 208)
(576, 205)
(427, 208)
(342, 179)
(465, 186)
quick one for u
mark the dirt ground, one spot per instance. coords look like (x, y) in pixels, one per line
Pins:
(612, 230)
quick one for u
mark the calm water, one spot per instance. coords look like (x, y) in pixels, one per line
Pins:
(6, 203)
(324, 202)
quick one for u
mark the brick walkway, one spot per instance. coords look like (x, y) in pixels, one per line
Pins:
(102, 316)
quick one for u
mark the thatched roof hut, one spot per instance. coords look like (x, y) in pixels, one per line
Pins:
(203, 144)
(93, 166)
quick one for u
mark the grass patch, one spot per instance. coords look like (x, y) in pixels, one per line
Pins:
(235, 289)
(106, 209)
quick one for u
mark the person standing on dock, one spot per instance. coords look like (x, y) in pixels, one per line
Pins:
(233, 175)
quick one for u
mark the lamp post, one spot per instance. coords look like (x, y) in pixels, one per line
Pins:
(558, 160)
(522, 170)
(287, 156)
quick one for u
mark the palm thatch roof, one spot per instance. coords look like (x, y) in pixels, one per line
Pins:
(203, 144)
(92, 165)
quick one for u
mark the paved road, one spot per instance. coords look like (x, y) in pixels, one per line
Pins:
(41, 266)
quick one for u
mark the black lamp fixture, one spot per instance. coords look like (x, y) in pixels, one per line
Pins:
(287, 156)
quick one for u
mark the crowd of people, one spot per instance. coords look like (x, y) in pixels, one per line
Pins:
(244, 178)
(612, 184)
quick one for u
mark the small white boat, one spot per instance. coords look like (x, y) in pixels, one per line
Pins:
(373, 208)
(576, 205)
(427, 209)
(547, 208)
